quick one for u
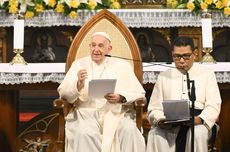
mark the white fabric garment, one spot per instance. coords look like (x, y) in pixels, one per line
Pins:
(96, 125)
(160, 140)
(172, 85)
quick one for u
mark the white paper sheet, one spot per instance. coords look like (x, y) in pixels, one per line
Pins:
(98, 88)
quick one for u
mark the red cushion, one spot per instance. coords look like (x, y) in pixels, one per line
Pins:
(24, 117)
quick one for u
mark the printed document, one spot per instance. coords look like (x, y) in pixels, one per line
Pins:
(98, 88)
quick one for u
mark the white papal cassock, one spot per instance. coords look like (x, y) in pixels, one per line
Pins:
(96, 125)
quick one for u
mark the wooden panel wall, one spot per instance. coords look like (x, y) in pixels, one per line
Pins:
(223, 141)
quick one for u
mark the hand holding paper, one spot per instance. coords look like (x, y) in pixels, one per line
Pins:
(113, 98)
(98, 88)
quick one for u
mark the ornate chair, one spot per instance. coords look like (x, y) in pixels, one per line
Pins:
(124, 45)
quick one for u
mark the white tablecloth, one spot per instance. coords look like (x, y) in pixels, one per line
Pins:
(31, 73)
(151, 71)
(55, 72)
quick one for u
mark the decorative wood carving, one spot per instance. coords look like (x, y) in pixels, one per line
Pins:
(42, 133)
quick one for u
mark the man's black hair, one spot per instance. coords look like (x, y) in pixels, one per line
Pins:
(183, 41)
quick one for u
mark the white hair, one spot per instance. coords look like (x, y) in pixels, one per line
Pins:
(102, 34)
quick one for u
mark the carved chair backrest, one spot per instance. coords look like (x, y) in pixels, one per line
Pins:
(123, 42)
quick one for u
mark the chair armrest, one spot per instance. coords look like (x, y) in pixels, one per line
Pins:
(59, 103)
(62, 103)
(140, 102)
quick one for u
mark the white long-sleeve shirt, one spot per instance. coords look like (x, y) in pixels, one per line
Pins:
(172, 85)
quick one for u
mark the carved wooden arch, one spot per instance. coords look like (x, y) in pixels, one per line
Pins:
(112, 23)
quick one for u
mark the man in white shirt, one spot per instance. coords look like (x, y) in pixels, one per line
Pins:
(172, 85)
(104, 124)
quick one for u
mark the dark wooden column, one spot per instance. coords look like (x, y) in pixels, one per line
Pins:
(223, 141)
(8, 110)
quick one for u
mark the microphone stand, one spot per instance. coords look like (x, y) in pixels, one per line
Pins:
(136, 60)
(107, 55)
(192, 98)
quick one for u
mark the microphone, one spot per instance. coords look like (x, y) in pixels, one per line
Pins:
(107, 55)
(135, 60)
(188, 84)
(193, 91)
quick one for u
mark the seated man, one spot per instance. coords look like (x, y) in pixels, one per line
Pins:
(172, 85)
(106, 124)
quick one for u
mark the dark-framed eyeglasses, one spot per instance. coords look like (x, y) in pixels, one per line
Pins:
(178, 57)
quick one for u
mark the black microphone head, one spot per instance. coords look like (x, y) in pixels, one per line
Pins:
(183, 71)
(107, 55)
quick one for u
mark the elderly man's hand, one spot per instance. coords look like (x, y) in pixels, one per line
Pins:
(82, 75)
(113, 98)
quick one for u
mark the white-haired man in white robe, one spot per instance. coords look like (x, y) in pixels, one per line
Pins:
(104, 124)
(172, 85)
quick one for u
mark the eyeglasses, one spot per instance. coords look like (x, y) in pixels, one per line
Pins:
(178, 57)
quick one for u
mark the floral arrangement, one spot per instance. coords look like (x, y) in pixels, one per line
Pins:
(30, 8)
(197, 5)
